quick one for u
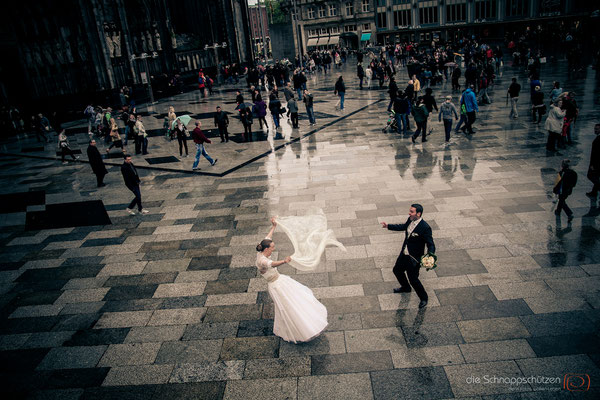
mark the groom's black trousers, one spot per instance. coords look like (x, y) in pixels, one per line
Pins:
(407, 266)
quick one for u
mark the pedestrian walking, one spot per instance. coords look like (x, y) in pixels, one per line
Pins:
(360, 73)
(171, 119)
(260, 110)
(96, 163)
(401, 111)
(554, 126)
(420, 114)
(513, 93)
(90, 115)
(555, 92)
(537, 105)
(293, 110)
(308, 103)
(594, 169)
(567, 179)
(63, 146)
(142, 136)
(116, 140)
(393, 92)
(275, 108)
(182, 133)
(447, 110)
(340, 90)
(133, 182)
(199, 140)
(222, 122)
(469, 100)
(246, 118)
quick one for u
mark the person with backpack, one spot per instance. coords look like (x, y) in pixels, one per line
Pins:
(567, 179)
(340, 90)
(246, 118)
(260, 110)
(447, 109)
(275, 108)
(469, 100)
(308, 103)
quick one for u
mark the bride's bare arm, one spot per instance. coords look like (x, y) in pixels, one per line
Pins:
(284, 261)
(274, 223)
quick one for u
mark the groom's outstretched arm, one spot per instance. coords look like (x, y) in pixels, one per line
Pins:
(395, 227)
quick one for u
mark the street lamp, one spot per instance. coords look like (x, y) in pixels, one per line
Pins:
(216, 46)
(145, 76)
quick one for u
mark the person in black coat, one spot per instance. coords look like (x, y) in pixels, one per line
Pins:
(393, 92)
(132, 181)
(222, 122)
(340, 90)
(418, 234)
(564, 188)
(96, 163)
(594, 169)
(360, 72)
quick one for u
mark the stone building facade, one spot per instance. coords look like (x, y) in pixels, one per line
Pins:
(77, 50)
(328, 24)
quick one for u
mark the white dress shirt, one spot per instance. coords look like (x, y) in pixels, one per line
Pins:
(409, 230)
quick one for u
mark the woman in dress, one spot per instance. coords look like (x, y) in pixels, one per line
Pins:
(299, 316)
(181, 133)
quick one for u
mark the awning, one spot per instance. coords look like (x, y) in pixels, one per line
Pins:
(322, 41)
(312, 42)
(334, 40)
(365, 37)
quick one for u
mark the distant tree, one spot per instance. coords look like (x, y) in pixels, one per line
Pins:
(277, 10)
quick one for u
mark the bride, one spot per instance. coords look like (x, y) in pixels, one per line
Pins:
(299, 316)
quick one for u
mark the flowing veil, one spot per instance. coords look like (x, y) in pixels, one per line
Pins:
(309, 236)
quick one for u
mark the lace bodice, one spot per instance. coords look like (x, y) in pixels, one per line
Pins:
(263, 263)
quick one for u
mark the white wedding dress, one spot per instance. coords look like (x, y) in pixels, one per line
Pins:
(299, 316)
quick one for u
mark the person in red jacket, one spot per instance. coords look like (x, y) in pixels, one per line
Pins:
(199, 139)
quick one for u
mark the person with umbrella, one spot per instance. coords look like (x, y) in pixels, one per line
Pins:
(96, 163)
(179, 127)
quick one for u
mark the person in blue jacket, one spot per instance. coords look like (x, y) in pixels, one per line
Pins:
(469, 99)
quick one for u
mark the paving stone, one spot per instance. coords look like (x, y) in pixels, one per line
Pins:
(250, 348)
(423, 335)
(189, 351)
(413, 383)
(208, 371)
(230, 299)
(482, 378)
(266, 389)
(80, 378)
(426, 356)
(123, 319)
(191, 391)
(233, 313)
(215, 330)
(177, 316)
(496, 350)
(546, 346)
(374, 339)
(118, 355)
(179, 289)
(344, 305)
(465, 295)
(350, 362)
(346, 386)
(492, 329)
(496, 309)
(326, 343)
(559, 366)
(94, 337)
(145, 334)
(558, 323)
(261, 327)
(138, 375)
(72, 357)
(277, 367)
(227, 286)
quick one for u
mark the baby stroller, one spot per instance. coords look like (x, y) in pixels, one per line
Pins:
(391, 123)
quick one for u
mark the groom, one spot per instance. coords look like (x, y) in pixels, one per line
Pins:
(417, 235)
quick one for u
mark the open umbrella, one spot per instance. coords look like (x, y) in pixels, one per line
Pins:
(242, 106)
(185, 119)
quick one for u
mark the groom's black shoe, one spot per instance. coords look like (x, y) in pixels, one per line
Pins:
(423, 303)
(402, 290)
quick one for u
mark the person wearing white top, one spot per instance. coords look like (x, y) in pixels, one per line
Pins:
(299, 316)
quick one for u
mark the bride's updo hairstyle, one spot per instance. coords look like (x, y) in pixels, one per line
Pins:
(266, 243)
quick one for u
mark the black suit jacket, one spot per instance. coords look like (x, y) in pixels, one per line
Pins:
(417, 240)
(130, 175)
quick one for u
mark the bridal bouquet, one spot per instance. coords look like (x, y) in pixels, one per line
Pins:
(428, 261)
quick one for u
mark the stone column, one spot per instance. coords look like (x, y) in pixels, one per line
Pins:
(126, 40)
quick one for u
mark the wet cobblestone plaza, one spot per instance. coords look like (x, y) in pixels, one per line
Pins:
(95, 303)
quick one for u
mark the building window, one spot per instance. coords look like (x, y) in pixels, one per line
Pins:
(402, 18)
(365, 6)
(381, 3)
(428, 14)
(322, 12)
(311, 13)
(324, 31)
(382, 20)
(313, 32)
(550, 7)
(485, 9)
(456, 10)
(334, 30)
(366, 27)
(516, 8)
(349, 9)
(350, 28)
(395, 2)
(332, 10)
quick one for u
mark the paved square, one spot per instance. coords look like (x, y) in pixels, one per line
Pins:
(170, 305)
